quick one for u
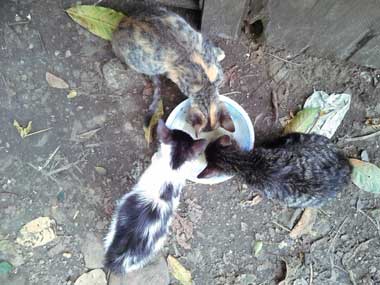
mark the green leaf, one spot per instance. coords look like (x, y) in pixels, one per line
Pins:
(5, 267)
(23, 131)
(365, 175)
(178, 271)
(100, 21)
(158, 113)
(303, 121)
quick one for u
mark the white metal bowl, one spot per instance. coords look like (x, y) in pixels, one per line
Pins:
(244, 133)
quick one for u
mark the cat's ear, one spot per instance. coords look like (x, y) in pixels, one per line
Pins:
(163, 132)
(208, 172)
(224, 140)
(199, 146)
(225, 119)
(197, 119)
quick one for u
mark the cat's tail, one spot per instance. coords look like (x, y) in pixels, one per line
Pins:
(138, 230)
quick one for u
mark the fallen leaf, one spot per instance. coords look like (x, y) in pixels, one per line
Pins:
(37, 232)
(332, 107)
(98, 20)
(55, 81)
(303, 121)
(5, 267)
(365, 175)
(159, 112)
(72, 94)
(101, 170)
(94, 277)
(178, 271)
(305, 223)
(23, 131)
(257, 247)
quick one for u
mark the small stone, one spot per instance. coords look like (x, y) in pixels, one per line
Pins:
(67, 53)
(100, 170)
(93, 252)
(57, 53)
(156, 273)
(244, 227)
(94, 277)
(364, 156)
(67, 255)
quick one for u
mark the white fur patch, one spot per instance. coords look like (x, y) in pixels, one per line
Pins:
(149, 187)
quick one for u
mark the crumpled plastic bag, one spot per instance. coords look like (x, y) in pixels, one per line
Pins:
(332, 107)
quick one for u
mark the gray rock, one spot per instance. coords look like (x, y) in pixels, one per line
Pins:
(364, 156)
(156, 273)
(93, 252)
(94, 277)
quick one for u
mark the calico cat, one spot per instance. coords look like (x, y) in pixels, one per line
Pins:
(300, 170)
(143, 215)
(155, 41)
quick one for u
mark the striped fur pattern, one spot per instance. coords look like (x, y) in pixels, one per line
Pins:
(142, 218)
(300, 170)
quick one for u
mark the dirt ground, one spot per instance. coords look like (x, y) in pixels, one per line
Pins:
(95, 150)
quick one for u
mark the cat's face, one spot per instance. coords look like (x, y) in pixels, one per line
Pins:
(178, 146)
(208, 113)
(213, 167)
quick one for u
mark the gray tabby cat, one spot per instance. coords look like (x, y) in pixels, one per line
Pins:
(300, 170)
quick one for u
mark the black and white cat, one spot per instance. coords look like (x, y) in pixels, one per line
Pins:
(143, 215)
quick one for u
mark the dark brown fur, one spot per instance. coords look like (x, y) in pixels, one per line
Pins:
(300, 170)
(159, 42)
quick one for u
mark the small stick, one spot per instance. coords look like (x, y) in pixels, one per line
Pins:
(42, 42)
(18, 23)
(9, 193)
(281, 226)
(282, 59)
(38, 132)
(247, 75)
(311, 274)
(358, 248)
(49, 159)
(63, 168)
(275, 105)
(302, 50)
(365, 137)
(230, 93)
(332, 245)
(371, 220)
